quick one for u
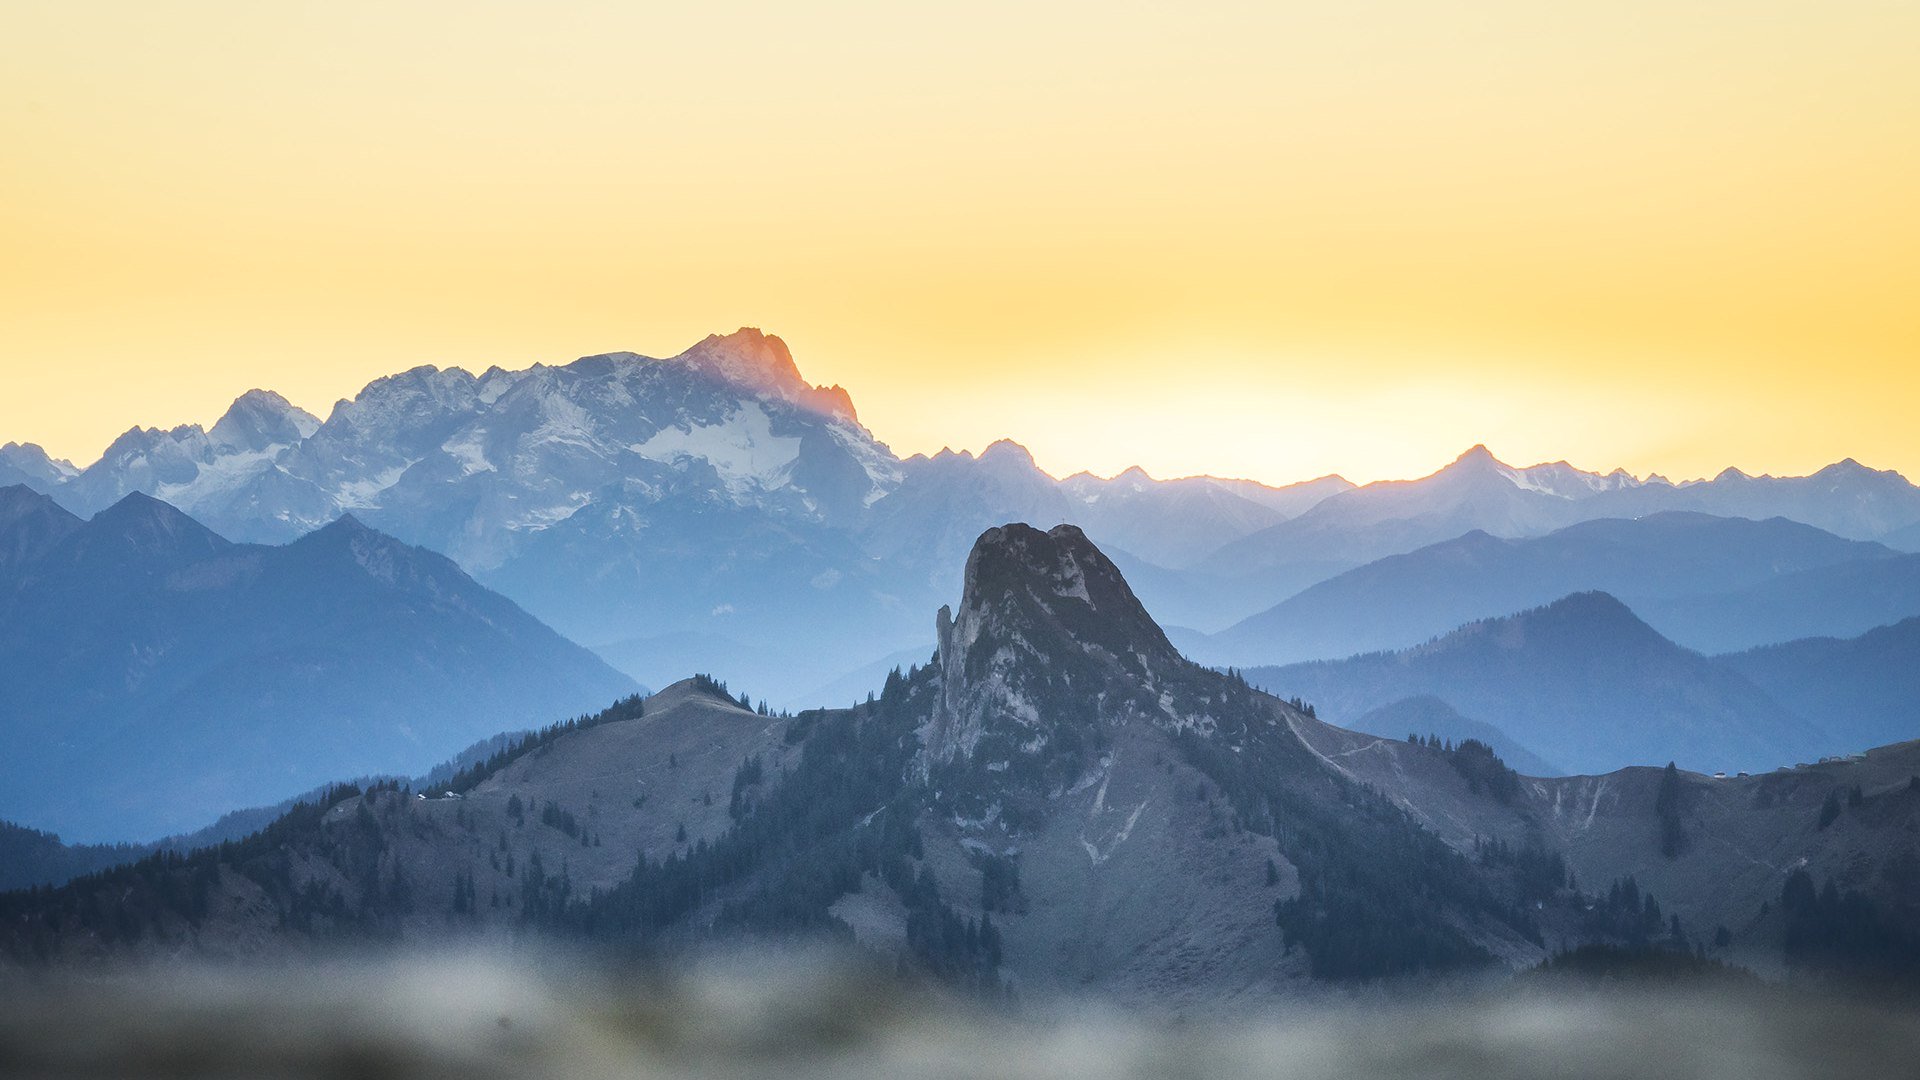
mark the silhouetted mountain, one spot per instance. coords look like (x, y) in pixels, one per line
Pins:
(31, 524)
(1173, 523)
(1582, 682)
(159, 675)
(31, 857)
(1865, 689)
(1058, 802)
(1907, 539)
(1048, 639)
(1427, 716)
(29, 465)
(855, 685)
(1845, 498)
(1840, 600)
(1475, 492)
(1681, 558)
(1480, 493)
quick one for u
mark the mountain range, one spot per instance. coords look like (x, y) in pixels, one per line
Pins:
(1709, 583)
(690, 511)
(160, 675)
(1868, 685)
(1478, 492)
(1584, 685)
(1057, 802)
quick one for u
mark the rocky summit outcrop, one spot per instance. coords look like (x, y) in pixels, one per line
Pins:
(1048, 636)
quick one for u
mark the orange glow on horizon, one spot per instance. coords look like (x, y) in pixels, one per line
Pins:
(1234, 239)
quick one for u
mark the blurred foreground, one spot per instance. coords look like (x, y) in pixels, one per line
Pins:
(804, 1017)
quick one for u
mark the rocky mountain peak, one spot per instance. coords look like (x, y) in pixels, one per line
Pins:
(1006, 452)
(1059, 577)
(379, 555)
(17, 499)
(137, 442)
(28, 462)
(1476, 467)
(1577, 624)
(348, 531)
(1477, 454)
(762, 364)
(1048, 634)
(141, 530)
(30, 525)
(260, 419)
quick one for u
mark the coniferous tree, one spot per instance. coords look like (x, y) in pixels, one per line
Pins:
(1667, 807)
(1830, 809)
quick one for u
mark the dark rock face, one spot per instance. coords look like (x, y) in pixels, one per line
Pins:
(1050, 644)
(31, 524)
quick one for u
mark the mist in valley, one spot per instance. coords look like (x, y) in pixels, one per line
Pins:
(809, 1012)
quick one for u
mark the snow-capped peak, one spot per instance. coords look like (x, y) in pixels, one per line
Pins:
(31, 461)
(762, 364)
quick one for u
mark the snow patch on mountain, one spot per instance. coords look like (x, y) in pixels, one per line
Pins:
(29, 461)
(220, 475)
(365, 493)
(1564, 481)
(565, 422)
(468, 449)
(742, 448)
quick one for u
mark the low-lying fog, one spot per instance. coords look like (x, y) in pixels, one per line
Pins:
(802, 1015)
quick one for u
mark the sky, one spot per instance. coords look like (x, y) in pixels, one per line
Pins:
(1273, 240)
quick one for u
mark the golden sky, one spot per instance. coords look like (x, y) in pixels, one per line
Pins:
(1269, 239)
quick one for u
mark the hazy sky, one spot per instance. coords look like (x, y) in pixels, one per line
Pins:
(1271, 239)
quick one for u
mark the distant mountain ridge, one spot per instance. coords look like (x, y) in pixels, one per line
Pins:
(1870, 684)
(1428, 717)
(1480, 493)
(160, 675)
(1842, 599)
(1683, 571)
(697, 505)
(1581, 682)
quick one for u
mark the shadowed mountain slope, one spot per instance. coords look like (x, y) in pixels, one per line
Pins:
(160, 676)
(1867, 687)
(1429, 717)
(1844, 599)
(1582, 682)
(1683, 561)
